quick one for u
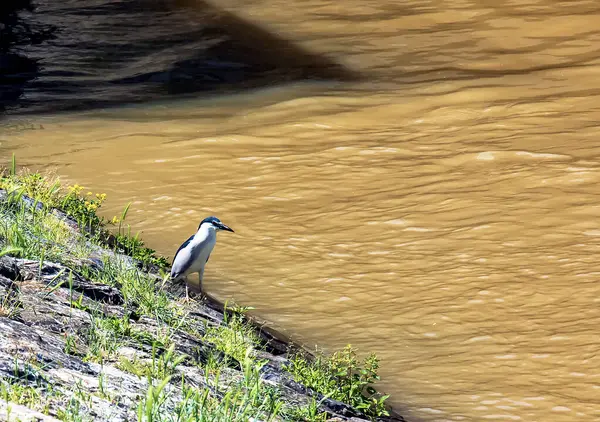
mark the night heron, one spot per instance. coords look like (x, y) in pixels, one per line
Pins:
(193, 254)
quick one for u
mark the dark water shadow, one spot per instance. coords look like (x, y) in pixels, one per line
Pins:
(102, 53)
(16, 69)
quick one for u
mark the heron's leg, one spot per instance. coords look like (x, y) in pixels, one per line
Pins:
(200, 277)
(187, 295)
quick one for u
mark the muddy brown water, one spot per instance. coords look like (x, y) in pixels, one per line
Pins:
(443, 211)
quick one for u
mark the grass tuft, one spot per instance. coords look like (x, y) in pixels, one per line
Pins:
(342, 377)
(234, 337)
(48, 193)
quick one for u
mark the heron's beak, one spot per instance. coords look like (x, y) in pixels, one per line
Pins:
(226, 228)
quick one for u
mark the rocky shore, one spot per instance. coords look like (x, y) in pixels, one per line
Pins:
(92, 330)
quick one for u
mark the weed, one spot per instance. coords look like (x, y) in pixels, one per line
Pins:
(35, 233)
(245, 399)
(309, 413)
(26, 386)
(47, 193)
(102, 340)
(139, 290)
(10, 305)
(22, 394)
(70, 345)
(150, 410)
(234, 336)
(161, 365)
(102, 391)
(342, 377)
(73, 412)
(133, 245)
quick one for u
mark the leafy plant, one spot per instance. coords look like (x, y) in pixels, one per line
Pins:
(342, 377)
(309, 413)
(83, 209)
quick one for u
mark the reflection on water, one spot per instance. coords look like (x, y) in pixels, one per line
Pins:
(16, 69)
(443, 213)
(107, 53)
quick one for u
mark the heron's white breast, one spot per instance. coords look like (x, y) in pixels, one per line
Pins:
(202, 245)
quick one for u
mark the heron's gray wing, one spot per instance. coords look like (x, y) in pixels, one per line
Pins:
(180, 262)
(183, 245)
(207, 258)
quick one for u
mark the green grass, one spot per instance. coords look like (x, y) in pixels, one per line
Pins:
(244, 398)
(34, 231)
(141, 291)
(102, 338)
(161, 366)
(310, 413)
(234, 337)
(28, 387)
(81, 206)
(33, 397)
(10, 305)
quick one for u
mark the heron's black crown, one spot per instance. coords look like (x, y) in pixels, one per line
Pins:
(211, 219)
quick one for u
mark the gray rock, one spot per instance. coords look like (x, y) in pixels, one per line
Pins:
(10, 411)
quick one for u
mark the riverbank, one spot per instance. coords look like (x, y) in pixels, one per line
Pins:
(91, 329)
